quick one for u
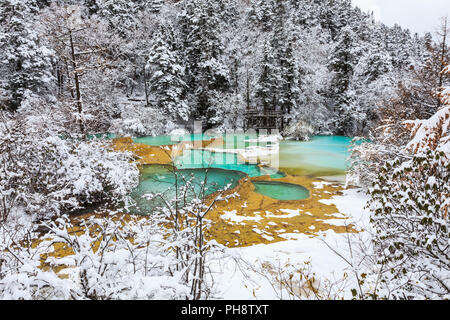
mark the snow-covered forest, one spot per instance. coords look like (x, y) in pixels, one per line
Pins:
(72, 69)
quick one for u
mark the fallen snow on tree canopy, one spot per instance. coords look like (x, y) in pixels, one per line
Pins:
(433, 133)
(445, 93)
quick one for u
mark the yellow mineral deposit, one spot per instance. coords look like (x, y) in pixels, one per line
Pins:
(261, 219)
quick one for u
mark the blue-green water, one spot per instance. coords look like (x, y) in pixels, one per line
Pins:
(230, 141)
(163, 180)
(242, 141)
(321, 156)
(281, 191)
(197, 159)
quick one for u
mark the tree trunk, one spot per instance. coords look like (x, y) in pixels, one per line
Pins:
(77, 83)
(146, 86)
(442, 57)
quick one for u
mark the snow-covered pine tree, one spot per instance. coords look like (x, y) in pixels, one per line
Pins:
(26, 67)
(277, 86)
(288, 77)
(374, 63)
(335, 15)
(206, 73)
(311, 53)
(262, 14)
(266, 88)
(290, 91)
(167, 76)
(342, 64)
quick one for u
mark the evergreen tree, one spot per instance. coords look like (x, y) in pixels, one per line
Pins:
(26, 62)
(262, 14)
(283, 41)
(167, 76)
(290, 79)
(374, 63)
(342, 65)
(268, 81)
(207, 74)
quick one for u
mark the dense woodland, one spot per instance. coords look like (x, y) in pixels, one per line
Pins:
(73, 68)
(325, 64)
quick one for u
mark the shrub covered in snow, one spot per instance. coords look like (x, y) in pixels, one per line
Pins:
(366, 159)
(432, 133)
(44, 175)
(411, 206)
(187, 222)
(162, 256)
(113, 258)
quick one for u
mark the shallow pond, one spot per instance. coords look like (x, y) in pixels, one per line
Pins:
(162, 181)
(322, 156)
(281, 191)
(196, 159)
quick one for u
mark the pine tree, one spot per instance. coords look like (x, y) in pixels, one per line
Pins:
(342, 65)
(167, 76)
(267, 86)
(282, 43)
(290, 80)
(374, 63)
(27, 63)
(207, 74)
(262, 14)
(335, 15)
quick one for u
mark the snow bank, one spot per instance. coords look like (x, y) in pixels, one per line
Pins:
(237, 281)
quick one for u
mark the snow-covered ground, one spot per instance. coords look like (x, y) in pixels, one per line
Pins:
(236, 279)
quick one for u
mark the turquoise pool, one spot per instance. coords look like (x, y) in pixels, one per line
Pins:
(163, 181)
(321, 156)
(281, 191)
